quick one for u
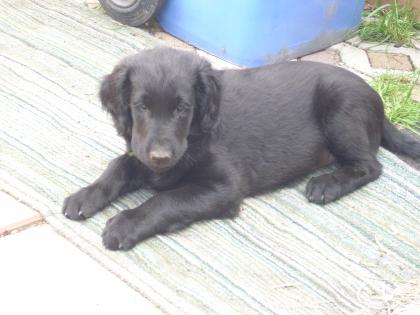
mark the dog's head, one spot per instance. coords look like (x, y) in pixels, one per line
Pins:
(160, 99)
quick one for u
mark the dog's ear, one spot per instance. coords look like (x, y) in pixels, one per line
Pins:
(115, 97)
(207, 93)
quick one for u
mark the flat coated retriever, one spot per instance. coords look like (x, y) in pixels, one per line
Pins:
(205, 139)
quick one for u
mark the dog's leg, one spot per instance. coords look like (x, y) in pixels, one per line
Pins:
(169, 211)
(354, 147)
(329, 187)
(123, 174)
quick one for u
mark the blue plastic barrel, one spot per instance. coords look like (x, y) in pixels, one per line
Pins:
(257, 32)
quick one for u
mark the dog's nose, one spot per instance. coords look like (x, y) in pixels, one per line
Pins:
(160, 156)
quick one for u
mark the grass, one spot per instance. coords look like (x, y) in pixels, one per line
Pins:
(390, 23)
(400, 108)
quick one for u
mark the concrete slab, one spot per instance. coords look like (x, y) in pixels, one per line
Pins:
(416, 43)
(42, 273)
(355, 58)
(173, 41)
(413, 53)
(364, 76)
(216, 62)
(354, 41)
(415, 94)
(328, 56)
(91, 4)
(381, 60)
(15, 215)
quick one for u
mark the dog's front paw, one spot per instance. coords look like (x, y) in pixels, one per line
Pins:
(122, 231)
(323, 189)
(84, 203)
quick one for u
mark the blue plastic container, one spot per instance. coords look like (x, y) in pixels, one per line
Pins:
(257, 32)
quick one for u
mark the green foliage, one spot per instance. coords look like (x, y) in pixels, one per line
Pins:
(390, 23)
(400, 108)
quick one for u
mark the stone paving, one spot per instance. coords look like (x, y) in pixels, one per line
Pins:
(369, 59)
(43, 273)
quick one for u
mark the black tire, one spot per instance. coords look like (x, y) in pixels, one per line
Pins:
(132, 12)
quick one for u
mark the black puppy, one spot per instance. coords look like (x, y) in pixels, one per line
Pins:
(205, 139)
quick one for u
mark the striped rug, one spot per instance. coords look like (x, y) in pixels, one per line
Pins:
(282, 255)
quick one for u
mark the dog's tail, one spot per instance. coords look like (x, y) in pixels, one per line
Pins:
(396, 141)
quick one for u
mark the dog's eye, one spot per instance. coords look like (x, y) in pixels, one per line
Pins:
(181, 107)
(141, 106)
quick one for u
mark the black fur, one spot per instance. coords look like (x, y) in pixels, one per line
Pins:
(205, 139)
